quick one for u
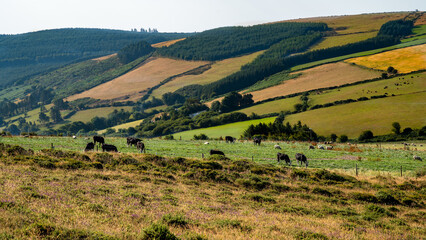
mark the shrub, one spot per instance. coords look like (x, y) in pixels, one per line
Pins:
(177, 220)
(366, 135)
(366, 197)
(18, 150)
(207, 165)
(104, 158)
(298, 174)
(158, 232)
(259, 198)
(322, 191)
(373, 212)
(201, 136)
(308, 235)
(334, 177)
(386, 198)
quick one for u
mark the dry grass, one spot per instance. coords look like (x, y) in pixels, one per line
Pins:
(405, 60)
(260, 202)
(217, 71)
(167, 43)
(104, 57)
(340, 40)
(328, 75)
(134, 84)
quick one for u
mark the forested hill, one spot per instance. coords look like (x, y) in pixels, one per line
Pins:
(221, 43)
(23, 55)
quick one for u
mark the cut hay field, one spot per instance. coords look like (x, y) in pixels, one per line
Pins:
(135, 83)
(87, 115)
(405, 60)
(328, 75)
(232, 129)
(53, 194)
(375, 115)
(217, 71)
(400, 85)
(276, 106)
(104, 57)
(167, 43)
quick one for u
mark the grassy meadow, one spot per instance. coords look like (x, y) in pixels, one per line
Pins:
(286, 104)
(65, 194)
(87, 115)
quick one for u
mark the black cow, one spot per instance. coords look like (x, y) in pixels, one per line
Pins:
(218, 152)
(132, 141)
(140, 146)
(98, 139)
(109, 148)
(311, 147)
(301, 158)
(89, 147)
(257, 140)
(283, 156)
(229, 139)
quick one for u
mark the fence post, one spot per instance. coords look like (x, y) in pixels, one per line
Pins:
(51, 146)
(356, 169)
(401, 170)
(252, 158)
(202, 155)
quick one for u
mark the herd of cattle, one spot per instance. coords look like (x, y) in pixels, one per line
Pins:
(100, 141)
(300, 158)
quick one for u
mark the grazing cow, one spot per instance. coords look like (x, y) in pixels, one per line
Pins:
(321, 147)
(229, 139)
(329, 147)
(109, 148)
(283, 156)
(132, 141)
(277, 147)
(301, 158)
(311, 147)
(140, 146)
(74, 137)
(415, 157)
(98, 139)
(257, 140)
(89, 147)
(206, 143)
(218, 152)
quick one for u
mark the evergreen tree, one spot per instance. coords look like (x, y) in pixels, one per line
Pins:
(55, 114)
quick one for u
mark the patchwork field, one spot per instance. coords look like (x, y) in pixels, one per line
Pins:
(217, 71)
(407, 84)
(340, 40)
(134, 84)
(123, 126)
(405, 60)
(328, 75)
(375, 115)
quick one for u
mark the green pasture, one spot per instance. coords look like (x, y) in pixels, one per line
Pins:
(376, 115)
(232, 129)
(286, 104)
(367, 157)
(407, 84)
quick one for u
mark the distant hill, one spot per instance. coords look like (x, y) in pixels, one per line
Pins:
(24, 55)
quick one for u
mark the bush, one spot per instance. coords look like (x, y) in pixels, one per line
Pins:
(307, 235)
(259, 198)
(201, 136)
(386, 198)
(298, 174)
(366, 197)
(322, 191)
(366, 135)
(158, 232)
(177, 220)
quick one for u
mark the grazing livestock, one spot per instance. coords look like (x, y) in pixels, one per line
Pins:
(140, 146)
(415, 157)
(132, 141)
(109, 148)
(206, 143)
(329, 147)
(311, 147)
(283, 156)
(321, 147)
(277, 147)
(301, 158)
(257, 140)
(229, 139)
(98, 139)
(218, 152)
(74, 137)
(89, 147)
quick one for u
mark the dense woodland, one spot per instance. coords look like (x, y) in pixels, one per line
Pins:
(24, 55)
(221, 43)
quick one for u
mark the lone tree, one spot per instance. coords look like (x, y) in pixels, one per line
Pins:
(366, 135)
(396, 128)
